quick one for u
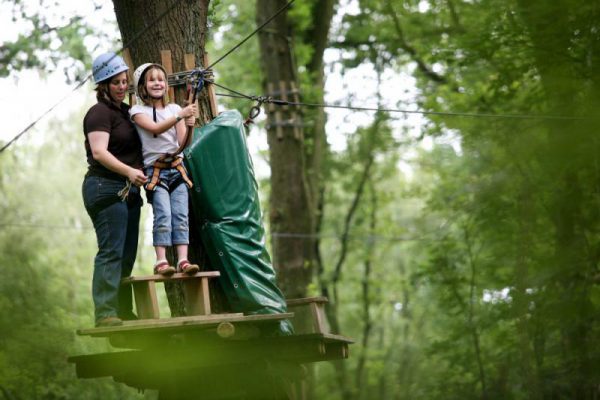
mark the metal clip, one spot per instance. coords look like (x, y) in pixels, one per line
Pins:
(253, 113)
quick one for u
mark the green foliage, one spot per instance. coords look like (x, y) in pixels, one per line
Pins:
(502, 280)
(484, 268)
(47, 247)
(48, 41)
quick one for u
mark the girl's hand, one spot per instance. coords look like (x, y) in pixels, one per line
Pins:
(136, 177)
(190, 121)
(188, 111)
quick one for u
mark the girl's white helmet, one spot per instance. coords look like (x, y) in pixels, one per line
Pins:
(137, 74)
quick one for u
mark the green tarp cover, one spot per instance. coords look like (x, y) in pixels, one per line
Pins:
(227, 208)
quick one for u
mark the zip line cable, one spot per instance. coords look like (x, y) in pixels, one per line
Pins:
(129, 43)
(267, 99)
(32, 124)
(80, 84)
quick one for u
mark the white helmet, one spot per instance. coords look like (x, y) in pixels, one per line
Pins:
(139, 72)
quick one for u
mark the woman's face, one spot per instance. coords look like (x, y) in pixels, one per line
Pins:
(117, 87)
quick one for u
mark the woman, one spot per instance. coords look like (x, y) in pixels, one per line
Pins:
(111, 189)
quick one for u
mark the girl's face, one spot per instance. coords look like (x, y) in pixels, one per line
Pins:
(156, 83)
(117, 87)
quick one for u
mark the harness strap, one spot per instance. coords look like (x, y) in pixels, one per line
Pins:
(184, 174)
(155, 178)
(161, 164)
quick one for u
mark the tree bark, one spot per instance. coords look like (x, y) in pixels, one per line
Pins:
(291, 211)
(183, 31)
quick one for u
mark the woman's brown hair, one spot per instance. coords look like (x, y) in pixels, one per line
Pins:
(103, 91)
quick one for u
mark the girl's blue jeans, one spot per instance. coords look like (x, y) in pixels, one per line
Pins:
(171, 224)
(116, 223)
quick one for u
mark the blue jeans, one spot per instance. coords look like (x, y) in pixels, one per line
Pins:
(116, 224)
(171, 225)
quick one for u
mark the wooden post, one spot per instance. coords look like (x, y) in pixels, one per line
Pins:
(146, 302)
(298, 130)
(129, 62)
(283, 93)
(167, 63)
(273, 110)
(189, 62)
(210, 89)
(197, 297)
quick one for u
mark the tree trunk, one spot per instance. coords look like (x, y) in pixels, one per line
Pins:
(563, 89)
(291, 211)
(182, 31)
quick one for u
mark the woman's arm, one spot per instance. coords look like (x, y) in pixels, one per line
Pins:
(156, 128)
(99, 145)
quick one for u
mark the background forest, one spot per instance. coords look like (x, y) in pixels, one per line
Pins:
(458, 241)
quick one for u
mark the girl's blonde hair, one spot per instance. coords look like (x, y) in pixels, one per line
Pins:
(143, 92)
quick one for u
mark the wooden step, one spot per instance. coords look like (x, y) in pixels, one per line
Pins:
(195, 290)
(309, 315)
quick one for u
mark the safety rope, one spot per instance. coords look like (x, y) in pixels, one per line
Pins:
(87, 78)
(270, 100)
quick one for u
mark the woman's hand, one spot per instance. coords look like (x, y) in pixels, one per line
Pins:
(190, 121)
(136, 177)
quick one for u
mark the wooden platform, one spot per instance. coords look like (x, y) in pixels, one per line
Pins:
(147, 333)
(192, 360)
(216, 356)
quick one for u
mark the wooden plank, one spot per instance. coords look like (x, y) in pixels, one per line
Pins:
(278, 127)
(298, 132)
(167, 63)
(159, 361)
(146, 302)
(182, 323)
(210, 89)
(284, 94)
(270, 90)
(318, 317)
(127, 58)
(174, 277)
(310, 314)
(189, 63)
(197, 299)
(205, 296)
(306, 300)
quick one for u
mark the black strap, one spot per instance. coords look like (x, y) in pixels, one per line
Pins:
(154, 116)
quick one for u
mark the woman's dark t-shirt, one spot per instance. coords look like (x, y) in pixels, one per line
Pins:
(123, 143)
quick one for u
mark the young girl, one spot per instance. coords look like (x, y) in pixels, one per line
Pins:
(161, 128)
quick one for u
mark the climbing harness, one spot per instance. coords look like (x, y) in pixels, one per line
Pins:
(161, 164)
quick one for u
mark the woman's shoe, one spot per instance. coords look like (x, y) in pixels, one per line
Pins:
(128, 316)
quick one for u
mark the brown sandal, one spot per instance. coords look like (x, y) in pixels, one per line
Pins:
(187, 268)
(163, 268)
